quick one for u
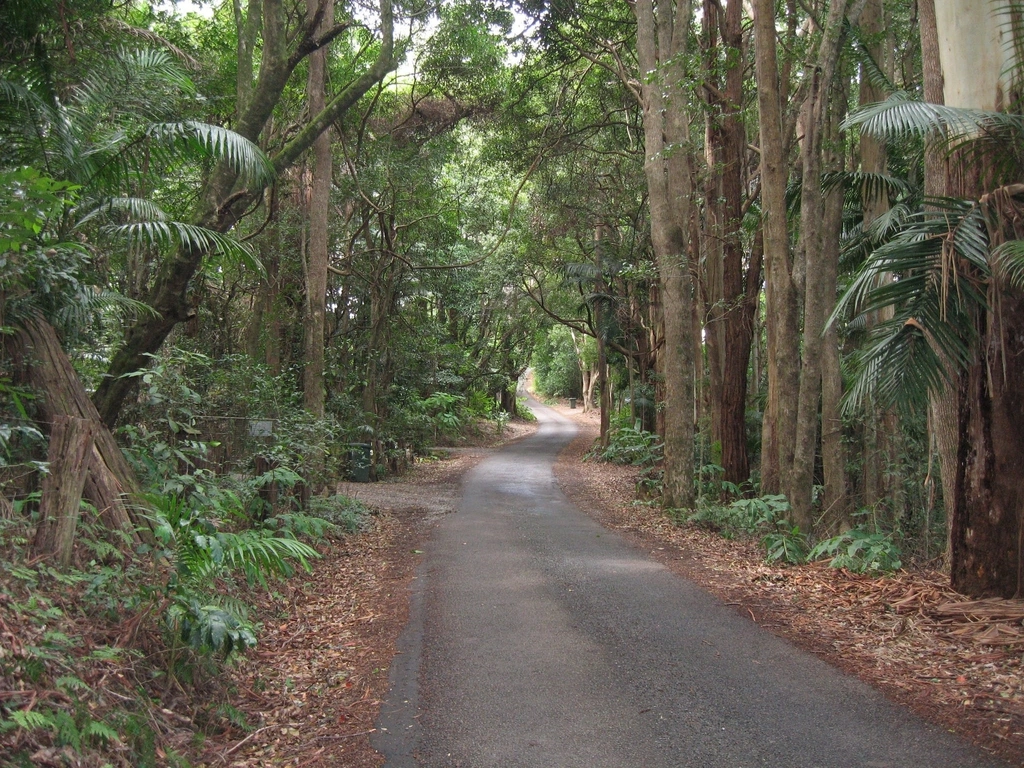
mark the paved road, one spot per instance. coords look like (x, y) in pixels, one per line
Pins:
(537, 638)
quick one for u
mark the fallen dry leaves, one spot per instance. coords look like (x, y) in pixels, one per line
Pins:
(312, 688)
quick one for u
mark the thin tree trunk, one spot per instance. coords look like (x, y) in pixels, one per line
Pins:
(710, 299)
(819, 297)
(945, 404)
(833, 450)
(879, 433)
(740, 294)
(600, 335)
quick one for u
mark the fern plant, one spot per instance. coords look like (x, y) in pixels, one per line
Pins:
(200, 610)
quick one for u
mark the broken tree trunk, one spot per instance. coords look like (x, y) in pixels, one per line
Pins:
(110, 483)
(71, 442)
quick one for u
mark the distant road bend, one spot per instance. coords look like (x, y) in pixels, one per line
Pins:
(539, 639)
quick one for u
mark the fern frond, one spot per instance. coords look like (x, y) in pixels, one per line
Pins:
(257, 555)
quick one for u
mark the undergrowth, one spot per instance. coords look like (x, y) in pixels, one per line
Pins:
(862, 549)
(121, 659)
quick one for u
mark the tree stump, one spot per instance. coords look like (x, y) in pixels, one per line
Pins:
(111, 484)
(71, 448)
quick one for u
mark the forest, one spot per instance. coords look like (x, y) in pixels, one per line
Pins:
(249, 249)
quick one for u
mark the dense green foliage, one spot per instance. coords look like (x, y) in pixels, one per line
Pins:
(488, 211)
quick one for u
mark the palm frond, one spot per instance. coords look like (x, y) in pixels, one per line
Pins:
(90, 302)
(257, 555)
(901, 115)
(581, 272)
(137, 208)
(898, 370)
(29, 120)
(153, 39)
(168, 234)
(863, 56)
(887, 224)
(930, 279)
(141, 75)
(19, 94)
(1008, 261)
(867, 184)
(240, 153)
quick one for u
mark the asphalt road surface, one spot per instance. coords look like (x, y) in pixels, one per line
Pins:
(538, 638)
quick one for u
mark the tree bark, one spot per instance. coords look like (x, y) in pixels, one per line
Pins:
(601, 337)
(730, 329)
(111, 484)
(663, 27)
(60, 506)
(778, 435)
(319, 237)
(819, 297)
(879, 434)
(836, 511)
(979, 415)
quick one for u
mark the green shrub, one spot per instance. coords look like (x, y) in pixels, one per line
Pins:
(346, 514)
(860, 551)
(631, 445)
(749, 516)
(786, 544)
(201, 613)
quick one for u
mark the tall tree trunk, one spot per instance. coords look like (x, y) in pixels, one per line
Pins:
(980, 414)
(836, 511)
(879, 433)
(710, 299)
(819, 297)
(946, 402)
(601, 337)
(663, 27)
(778, 435)
(319, 237)
(739, 292)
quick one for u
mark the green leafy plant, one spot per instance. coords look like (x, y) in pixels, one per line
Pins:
(346, 514)
(861, 551)
(201, 616)
(787, 544)
(443, 412)
(631, 445)
(748, 516)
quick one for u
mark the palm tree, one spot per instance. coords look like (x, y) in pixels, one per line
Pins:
(77, 180)
(953, 274)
